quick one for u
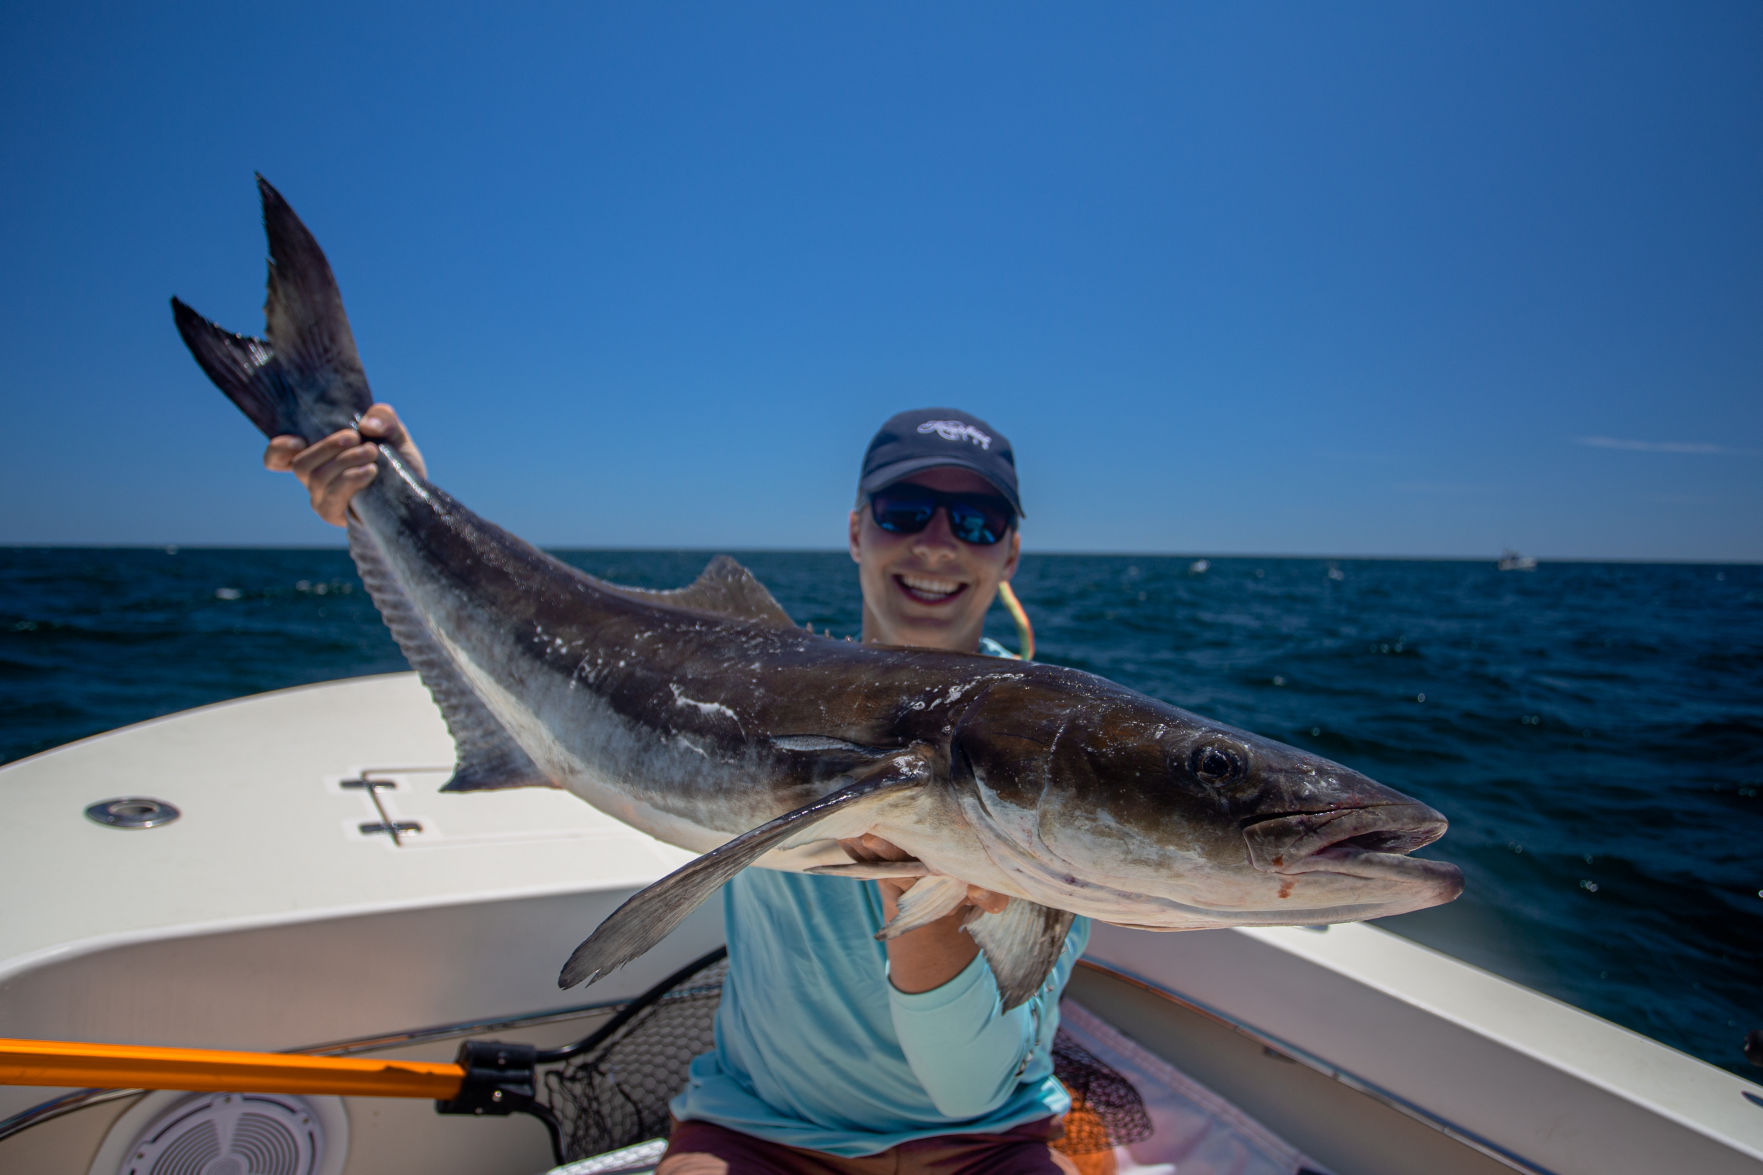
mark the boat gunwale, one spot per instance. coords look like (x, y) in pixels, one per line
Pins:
(1286, 1050)
(82, 1099)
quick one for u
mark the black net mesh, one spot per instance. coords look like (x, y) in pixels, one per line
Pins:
(1106, 1110)
(614, 1093)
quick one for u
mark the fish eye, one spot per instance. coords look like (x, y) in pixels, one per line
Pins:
(1215, 764)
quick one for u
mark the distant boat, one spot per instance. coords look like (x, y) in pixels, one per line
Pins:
(1335, 573)
(1511, 560)
(1199, 567)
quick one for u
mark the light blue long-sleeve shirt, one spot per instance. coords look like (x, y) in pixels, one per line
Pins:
(816, 1049)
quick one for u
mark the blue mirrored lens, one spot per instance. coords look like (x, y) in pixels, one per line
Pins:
(973, 524)
(902, 516)
(979, 519)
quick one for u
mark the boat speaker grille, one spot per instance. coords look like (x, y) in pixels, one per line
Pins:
(229, 1134)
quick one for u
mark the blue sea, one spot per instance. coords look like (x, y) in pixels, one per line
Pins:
(1593, 731)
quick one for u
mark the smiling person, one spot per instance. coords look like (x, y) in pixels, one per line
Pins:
(837, 1051)
(934, 531)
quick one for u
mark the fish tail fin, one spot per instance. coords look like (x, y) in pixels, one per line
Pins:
(305, 377)
(242, 367)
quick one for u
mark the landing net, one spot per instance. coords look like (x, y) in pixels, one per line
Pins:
(613, 1088)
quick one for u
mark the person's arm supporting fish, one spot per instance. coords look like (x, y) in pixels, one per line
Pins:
(334, 469)
(937, 952)
(964, 1050)
(969, 1055)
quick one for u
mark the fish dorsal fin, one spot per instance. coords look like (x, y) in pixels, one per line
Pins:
(725, 588)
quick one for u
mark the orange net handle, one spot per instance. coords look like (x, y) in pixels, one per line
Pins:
(1025, 632)
(114, 1066)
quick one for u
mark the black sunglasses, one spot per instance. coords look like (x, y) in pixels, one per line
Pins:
(979, 519)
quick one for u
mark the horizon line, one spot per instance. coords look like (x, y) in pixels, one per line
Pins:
(172, 548)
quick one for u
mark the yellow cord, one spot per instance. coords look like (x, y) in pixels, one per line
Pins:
(1025, 632)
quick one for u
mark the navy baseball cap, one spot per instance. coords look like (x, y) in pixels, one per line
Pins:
(928, 438)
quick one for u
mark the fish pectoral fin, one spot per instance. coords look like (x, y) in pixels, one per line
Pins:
(651, 914)
(930, 898)
(872, 870)
(1021, 945)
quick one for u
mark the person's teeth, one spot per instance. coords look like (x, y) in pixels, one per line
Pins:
(940, 587)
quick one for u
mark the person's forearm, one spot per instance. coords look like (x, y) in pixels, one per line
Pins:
(926, 958)
(967, 1052)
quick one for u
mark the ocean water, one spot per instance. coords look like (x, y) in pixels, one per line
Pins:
(1593, 731)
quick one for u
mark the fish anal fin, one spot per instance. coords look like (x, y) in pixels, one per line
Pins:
(487, 757)
(651, 914)
(494, 767)
(725, 588)
(1021, 945)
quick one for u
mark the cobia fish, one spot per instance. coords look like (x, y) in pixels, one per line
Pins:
(704, 717)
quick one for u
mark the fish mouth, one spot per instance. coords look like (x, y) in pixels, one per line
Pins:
(1370, 843)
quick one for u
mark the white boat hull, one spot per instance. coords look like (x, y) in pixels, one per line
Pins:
(266, 918)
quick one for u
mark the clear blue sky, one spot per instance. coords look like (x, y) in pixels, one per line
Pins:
(1359, 278)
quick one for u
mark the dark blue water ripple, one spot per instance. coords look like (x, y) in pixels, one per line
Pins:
(1594, 731)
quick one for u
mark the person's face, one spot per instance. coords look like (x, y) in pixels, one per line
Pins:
(929, 589)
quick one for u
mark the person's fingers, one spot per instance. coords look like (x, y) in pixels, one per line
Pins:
(307, 461)
(333, 474)
(882, 850)
(334, 483)
(320, 469)
(381, 423)
(870, 849)
(988, 900)
(279, 456)
(334, 469)
(332, 495)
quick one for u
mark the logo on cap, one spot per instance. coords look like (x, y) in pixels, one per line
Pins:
(956, 430)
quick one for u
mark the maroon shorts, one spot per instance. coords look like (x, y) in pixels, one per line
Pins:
(700, 1148)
